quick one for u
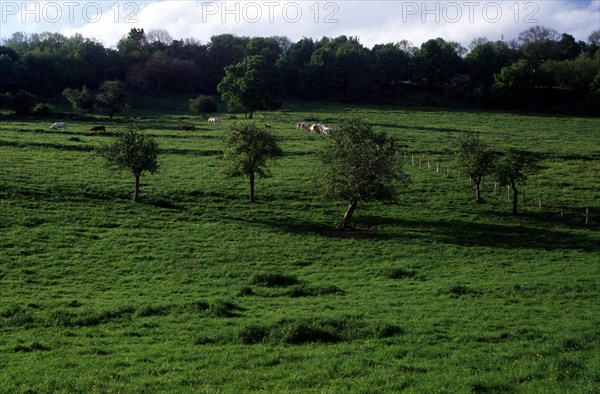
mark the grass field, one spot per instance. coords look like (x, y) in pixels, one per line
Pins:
(196, 290)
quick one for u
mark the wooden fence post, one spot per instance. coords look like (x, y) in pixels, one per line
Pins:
(561, 210)
(587, 215)
(540, 202)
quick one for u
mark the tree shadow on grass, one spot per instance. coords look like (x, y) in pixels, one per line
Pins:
(504, 236)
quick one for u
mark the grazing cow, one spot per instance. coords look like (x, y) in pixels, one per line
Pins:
(301, 126)
(213, 120)
(188, 127)
(327, 131)
(58, 125)
(317, 128)
(98, 128)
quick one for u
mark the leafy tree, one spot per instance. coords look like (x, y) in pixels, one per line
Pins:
(293, 63)
(22, 102)
(392, 65)
(202, 105)
(43, 109)
(436, 62)
(486, 59)
(112, 97)
(12, 71)
(475, 158)
(566, 48)
(82, 101)
(576, 74)
(134, 46)
(224, 50)
(248, 150)
(266, 47)
(537, 43)
(254, 84)
(511, 86)
(132, 151)
(360, 165)
(512, 169)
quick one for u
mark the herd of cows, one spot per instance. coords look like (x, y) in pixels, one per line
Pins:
(315, 128)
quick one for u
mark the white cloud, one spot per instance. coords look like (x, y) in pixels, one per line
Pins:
(372, 21)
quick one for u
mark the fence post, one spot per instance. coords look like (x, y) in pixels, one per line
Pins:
(587, 215)
(447, 171)
(495, 184)
(561, 210)
(508, 191)
(540, 202)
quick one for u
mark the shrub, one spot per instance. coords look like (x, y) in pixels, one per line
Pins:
(43, 109)
(398, 273)
(22, 103)
(203, 105)
(460, 290)
(253, 334)
(274, 280)
(304, 290)
(204, 341)
(297, 332)
(224, 309)
(246, 291)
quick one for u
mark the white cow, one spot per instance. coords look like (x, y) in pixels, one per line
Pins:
(317, 128)
(213, 120)
(327, 131)
(58, 125)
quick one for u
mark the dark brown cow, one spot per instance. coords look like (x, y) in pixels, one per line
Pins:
(98, 128)
(188, 127)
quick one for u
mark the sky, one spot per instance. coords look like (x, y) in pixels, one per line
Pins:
(373, 22)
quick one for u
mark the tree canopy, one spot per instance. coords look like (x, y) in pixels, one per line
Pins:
(134, 152)
(248, 151)
(556, 68)
(253, 84)
(360, 164)
(513, 168)
(475, 158)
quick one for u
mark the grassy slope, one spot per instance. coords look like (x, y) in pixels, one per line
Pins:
(438, 293)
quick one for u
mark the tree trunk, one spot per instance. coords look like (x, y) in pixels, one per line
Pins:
(251, 114)
(136, 193)
(515, 199)
(252, 187)
(348, 215)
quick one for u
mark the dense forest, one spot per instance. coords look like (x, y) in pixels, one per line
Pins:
(540, 70)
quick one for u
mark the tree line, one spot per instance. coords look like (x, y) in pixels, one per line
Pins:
(539, 70)
(359, 163)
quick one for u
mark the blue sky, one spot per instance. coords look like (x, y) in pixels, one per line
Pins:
(372, 21)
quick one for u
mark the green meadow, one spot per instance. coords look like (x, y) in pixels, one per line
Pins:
(194, 289)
